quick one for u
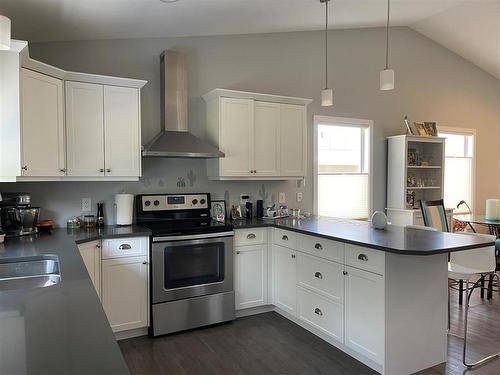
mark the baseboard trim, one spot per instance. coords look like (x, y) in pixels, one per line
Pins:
(123, 335)
(254, 311)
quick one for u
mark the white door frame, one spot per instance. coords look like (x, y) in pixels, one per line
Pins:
(344, 121)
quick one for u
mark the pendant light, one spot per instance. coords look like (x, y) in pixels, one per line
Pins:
(326, 93)
(387, 75)
(4, 33)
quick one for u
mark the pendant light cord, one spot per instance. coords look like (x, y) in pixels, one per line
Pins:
(326, 43)
(387, 35)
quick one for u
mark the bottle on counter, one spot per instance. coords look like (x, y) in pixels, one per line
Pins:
(100, 215)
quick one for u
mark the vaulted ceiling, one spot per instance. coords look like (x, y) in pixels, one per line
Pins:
(470, 28)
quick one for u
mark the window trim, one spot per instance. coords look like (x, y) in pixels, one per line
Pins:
(464, 131)
(343, 121)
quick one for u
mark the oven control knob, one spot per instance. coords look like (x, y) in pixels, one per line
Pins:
(195, 201)
(147, 203)
(203, 201)
(156, 203)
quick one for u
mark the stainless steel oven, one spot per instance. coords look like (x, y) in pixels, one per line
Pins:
(191, 266)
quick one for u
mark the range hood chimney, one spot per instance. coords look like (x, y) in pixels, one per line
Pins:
(175, 141)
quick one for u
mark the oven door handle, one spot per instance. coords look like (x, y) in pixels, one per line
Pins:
(193, 237)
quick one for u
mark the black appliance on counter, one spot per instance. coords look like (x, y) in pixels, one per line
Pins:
(17, 216)
(191, 270)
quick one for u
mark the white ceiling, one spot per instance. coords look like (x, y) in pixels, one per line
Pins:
(468, 27)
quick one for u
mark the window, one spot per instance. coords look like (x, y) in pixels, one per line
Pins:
(458, 167)
(342, 167)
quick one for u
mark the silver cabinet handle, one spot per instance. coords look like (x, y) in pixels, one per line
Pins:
(318, 311)
(293, 256)
(363, 257)
(108, 170)
(144, 262)
(98, 246)
(237, 251)
(62, 170)
(101, 170)
(345, 273)
(251, 236)
(318, 246)
(25, 168)
(124, 246)
(318, 275)
(284, 238)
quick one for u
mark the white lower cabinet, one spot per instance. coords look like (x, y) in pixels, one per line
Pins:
(125, 292)
(91, 255)
(364, 313)
(321, 313)
(285, 278)
(250, 279)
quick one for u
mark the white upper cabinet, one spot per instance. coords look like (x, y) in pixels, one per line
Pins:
(263, 136)
(122, 131)
(293, 137)
(43, 144)
(85, 129)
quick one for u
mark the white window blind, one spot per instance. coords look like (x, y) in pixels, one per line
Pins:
(342, 166)
(458, 172)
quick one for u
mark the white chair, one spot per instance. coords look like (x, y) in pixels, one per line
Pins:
(464, 265)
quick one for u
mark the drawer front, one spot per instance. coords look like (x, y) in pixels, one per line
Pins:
(366, 259)
(322, 276)
(252, 236)
(285, 238)
(321, 313)
(125, 247)
(329, 249)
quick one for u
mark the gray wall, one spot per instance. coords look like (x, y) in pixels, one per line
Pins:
(432, 84)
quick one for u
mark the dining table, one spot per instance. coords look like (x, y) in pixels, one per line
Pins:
(493, 226)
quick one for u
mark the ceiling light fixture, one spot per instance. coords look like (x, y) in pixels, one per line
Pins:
(387, 75)
(326, 93)
(4, 33)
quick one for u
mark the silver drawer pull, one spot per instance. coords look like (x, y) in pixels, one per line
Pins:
(318, 311)
(363, 257)
(318, 275)
(237, 251)
(145, 262)
(284, 238)
(318, 246)
(124, 246)
(251, 236)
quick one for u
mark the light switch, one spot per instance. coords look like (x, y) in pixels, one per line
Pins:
(282, 197)
(299, 197)
(86, 204)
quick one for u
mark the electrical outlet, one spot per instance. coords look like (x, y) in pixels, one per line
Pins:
(86, 204)
(281, 198)
(299, 197)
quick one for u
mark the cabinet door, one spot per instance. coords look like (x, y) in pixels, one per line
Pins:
(122, 131)
(84, 129)
(364, 313)
(267, 139)
(125, 292)
(91, 255)
(285, 278)
(293, 140)
(250, 269)
(237, 137)
(43, 144)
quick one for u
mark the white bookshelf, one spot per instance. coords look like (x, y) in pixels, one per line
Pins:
(415, 167)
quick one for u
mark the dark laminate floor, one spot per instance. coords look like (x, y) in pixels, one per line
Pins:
(270, 344)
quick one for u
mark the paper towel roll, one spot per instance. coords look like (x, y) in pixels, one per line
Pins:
(124, 208)
(492, 209)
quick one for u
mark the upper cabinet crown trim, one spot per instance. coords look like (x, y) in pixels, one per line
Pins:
(225, 93)
(41, 67)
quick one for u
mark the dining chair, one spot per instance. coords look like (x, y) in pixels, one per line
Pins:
(467, 265)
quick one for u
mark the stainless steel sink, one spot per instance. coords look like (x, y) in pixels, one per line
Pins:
(28, 273)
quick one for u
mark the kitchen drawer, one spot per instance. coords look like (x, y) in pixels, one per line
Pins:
(125, 247)
(321, 313)
(364, 258)
(321, 247)
(321, 276)
(252, 236)
(285, 238)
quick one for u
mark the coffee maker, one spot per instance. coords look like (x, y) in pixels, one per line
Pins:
(17, 216)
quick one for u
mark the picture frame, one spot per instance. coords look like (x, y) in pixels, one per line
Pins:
(431, 129)
(421, 129)
(218, 210)
(236, 212)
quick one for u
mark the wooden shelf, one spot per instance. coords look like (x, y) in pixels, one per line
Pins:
(422, 187)
(424, 166)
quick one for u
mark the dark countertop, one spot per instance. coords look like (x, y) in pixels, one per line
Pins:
(62, 328)
(394, 239)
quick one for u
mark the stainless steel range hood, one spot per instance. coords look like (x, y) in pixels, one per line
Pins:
(175, 141)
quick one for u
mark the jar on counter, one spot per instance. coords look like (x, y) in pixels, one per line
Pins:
(89, 221)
